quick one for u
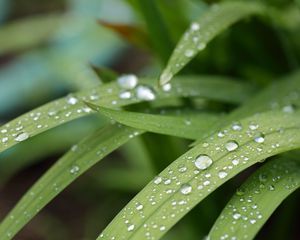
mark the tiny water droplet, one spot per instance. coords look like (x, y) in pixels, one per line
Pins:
(22, 137)
(127, 81)
(74, 169)
(186, 189)
(203, 161)
(231, 145)
(237, 127)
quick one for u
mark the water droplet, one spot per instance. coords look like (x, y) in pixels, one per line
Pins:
(262, 177)
(203, 161)
(288, 109)
(182, 168)
(157, 180)
(195, 26)
(167, 87)
(222, 174)
(240, 192)
(145, 93)
(259, 138)
(127, 81)
(186, 189)
(139, 206)
(130, 228)
(201, 46)
(74, 169)
(72, 100)
(236, 216)
(235, 162)
(231, 146)
(271, 188)
(221, 134)
(21, 137)
(253, 126)
(125, 95)
(237, 127)
(189, 53)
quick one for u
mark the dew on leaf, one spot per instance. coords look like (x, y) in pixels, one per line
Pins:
(203, 162)
(21, 137)
(231, 145)
(127, 81)
(260, 138)
(145, 93)
(186, 189)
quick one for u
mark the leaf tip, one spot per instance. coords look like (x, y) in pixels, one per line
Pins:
(165, 77)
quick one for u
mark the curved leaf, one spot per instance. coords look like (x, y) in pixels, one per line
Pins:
(203, 30)
(257, 199)
(190, 178)
(181, 125)
(72, 107)
(74, 163)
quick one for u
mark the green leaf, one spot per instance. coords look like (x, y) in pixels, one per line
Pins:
(192, 177)
(78, 160)
(181, 125)
(72, 107)
(257, 199)
(203, 30)
(281, 95)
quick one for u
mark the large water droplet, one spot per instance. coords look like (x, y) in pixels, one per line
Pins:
(72, 100)
(167, 87)
(222, 174)
(186, 189)
(21, 137)
(195, 26)
(127, 81)
(231, 145)
(145, 93)
(157, 180)
(203, 161)
(259, 138)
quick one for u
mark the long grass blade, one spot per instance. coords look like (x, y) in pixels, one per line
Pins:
(74, 163)
(203, 30)
(72, 107)
(188, 125)
(257, 199)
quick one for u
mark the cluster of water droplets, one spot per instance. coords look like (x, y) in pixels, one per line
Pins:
(245, 209)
